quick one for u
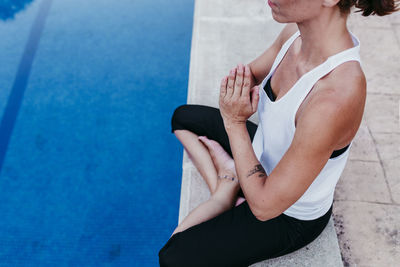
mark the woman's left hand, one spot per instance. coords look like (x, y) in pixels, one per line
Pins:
(237, 101)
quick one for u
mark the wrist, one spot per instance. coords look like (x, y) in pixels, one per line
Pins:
(232, 125)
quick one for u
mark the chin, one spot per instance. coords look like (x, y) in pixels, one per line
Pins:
(279, 19)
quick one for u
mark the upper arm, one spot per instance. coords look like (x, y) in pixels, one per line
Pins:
(325, 121)
(261, 66)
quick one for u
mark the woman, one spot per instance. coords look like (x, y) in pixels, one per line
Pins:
(310, 103)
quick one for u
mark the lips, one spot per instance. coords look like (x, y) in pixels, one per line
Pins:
(270, 3)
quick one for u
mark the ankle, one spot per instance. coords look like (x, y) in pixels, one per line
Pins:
(226, 193)
(228, 177)
(222, 200)
(227, 181)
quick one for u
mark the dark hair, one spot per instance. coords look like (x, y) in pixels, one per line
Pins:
(368, 7)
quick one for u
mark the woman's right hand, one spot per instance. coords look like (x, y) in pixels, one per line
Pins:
(252, 80)
(238, 100)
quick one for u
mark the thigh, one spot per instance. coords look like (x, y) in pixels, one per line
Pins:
(205, 121)
(233, 238)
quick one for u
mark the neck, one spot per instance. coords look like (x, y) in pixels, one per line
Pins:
(322, 37)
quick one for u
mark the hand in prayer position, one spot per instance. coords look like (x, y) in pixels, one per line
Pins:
(238, 98)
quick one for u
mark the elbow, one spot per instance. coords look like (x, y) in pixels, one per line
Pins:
(261, 217)
(252, 72)
(265, 213)
(267, 206)
(266, 216)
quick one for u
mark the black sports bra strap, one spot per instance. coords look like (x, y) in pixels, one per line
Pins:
(268, 89)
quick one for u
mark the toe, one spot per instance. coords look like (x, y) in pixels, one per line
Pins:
(205, 141)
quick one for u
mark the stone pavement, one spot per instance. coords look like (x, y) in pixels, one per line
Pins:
(367, 197)
(364, 228)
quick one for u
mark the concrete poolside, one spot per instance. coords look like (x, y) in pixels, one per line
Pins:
(364, 228)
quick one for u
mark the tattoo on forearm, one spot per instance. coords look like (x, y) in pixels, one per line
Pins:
(257, 169)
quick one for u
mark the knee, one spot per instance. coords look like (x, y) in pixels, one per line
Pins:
(164, 258)
(178, 118)
(168, 257)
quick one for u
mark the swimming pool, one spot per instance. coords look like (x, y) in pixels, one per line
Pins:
(89, 171)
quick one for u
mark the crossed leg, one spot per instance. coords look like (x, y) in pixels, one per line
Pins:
(215, 233)
(212, 161)
(224, 195)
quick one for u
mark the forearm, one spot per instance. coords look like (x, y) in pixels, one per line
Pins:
(250, 173)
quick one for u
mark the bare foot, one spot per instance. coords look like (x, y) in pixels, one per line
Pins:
(227, 184)
(239, 201)
(222, 161)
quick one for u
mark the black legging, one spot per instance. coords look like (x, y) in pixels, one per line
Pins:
(235, 237)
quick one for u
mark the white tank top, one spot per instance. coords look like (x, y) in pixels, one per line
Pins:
(276, 130)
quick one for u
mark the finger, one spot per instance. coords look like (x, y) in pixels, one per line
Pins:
(231, 83)
(222, 92)
(255, 97)
(246, 81)
(238, 81)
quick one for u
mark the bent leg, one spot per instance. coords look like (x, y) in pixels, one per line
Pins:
(200, 157)
(206, 121)
(205, 211)
(237, 238)
(226, 191)
(190, 121)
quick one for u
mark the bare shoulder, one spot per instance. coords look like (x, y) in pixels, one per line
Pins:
(342, 93)
(345, 85)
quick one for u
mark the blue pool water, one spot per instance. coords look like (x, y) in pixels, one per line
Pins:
(90, 173)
